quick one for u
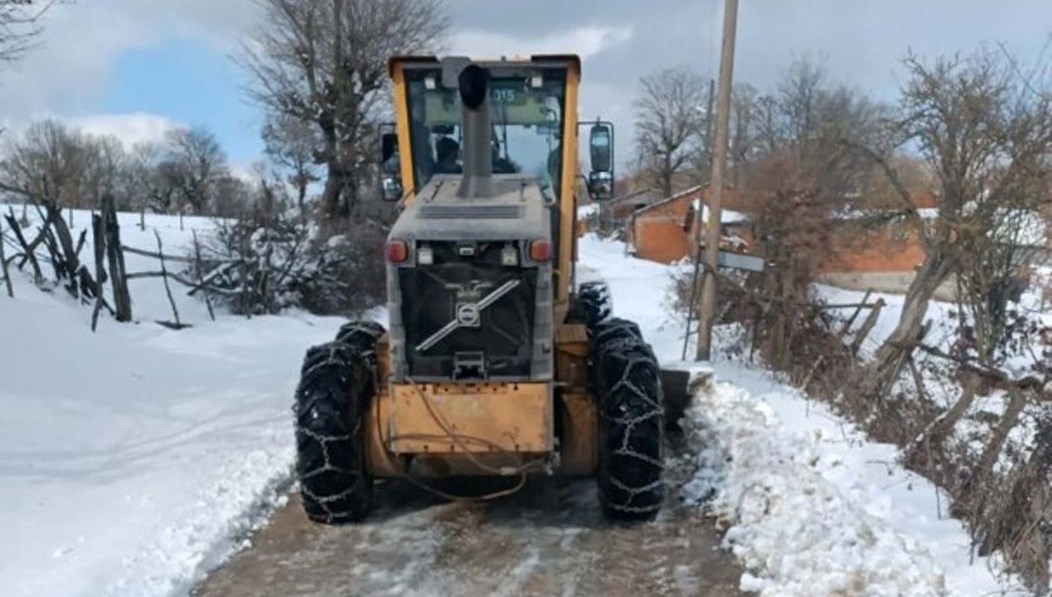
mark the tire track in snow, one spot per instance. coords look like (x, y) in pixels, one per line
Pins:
(549, 539)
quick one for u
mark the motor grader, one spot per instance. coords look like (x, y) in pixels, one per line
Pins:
(495, 362)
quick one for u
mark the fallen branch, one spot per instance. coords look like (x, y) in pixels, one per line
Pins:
(1030, 382)
(154, 255)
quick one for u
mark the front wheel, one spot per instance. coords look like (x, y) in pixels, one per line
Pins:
(335, 388)
(631, 423)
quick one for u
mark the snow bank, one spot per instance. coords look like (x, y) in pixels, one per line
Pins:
(135, 459)
(795, 532)
(813, 507)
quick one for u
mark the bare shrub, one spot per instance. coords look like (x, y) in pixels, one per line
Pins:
(271, 260)
(350, 275)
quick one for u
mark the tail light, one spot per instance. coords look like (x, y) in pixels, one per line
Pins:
(541, 251)
(397, 251)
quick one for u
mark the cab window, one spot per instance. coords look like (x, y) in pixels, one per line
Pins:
(526, 113)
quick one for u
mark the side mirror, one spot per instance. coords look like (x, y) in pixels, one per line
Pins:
(388, 147)
(601, 146)
(390, 169)
(601, 152)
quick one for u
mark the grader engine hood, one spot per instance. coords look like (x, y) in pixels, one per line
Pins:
(472, 299)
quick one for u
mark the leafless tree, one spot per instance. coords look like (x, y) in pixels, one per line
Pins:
(193, 164)
(291, 144)
(146, 187)
(799, 127)
(744, 140)
(991, 277)
(986, 134)
(324, 62)
(19, 26)
(670, 118)
(105, 171)
(231, 196)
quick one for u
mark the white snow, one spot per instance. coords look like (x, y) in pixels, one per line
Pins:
(796, 532)
(812, 508)
(134, 459)
(587, 211)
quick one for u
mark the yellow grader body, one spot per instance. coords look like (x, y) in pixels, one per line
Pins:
(495, 361)
(469, 429)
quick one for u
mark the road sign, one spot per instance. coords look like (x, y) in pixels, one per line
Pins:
(739, 261)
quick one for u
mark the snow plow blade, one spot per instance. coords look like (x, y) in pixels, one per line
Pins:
(679, 383)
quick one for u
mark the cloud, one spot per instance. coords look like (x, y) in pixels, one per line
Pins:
(131, 129)
(583, 41)
(860, 41)
(82, 42)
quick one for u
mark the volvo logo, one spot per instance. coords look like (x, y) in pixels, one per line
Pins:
(468, 315)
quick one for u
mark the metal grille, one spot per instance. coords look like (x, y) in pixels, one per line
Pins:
(504, 338)
(471, 212)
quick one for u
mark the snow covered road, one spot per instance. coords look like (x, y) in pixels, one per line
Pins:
(135, 460)
(549, 539)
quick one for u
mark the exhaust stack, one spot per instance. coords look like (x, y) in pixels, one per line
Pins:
(473, 83)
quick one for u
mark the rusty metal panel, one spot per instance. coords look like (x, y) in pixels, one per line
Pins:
(579, 443)
(572, 333)
(380, 462)
(571, 357)
(475, 418)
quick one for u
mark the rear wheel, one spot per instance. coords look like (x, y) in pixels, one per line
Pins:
(361, 335)
(336, 385)
(631, 423)
(593, 303)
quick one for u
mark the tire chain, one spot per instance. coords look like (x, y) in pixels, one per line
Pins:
(336, 377)
(596, 303)
(630, 406)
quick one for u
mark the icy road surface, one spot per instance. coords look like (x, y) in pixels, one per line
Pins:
(549, 539)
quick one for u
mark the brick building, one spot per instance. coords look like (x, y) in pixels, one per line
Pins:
(664, 231)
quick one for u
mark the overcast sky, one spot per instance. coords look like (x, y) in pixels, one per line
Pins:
(137, 67)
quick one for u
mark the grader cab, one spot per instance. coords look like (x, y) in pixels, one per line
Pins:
(494, 363)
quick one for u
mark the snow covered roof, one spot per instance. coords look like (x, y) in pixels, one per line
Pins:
(667, 200)
(847, 215)
(727, 216)
(587, 211)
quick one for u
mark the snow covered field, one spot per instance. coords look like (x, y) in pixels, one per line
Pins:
(135, 459)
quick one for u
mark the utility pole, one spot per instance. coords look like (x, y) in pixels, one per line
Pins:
(707, 309)
(708, 133)
(695, 281)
